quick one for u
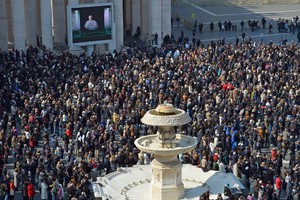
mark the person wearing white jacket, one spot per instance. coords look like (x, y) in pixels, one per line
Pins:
(44, 190)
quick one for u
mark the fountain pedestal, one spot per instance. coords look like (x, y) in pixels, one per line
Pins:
(166, 179)
(165, 145)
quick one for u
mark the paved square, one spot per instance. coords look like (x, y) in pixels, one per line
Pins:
(235, 14)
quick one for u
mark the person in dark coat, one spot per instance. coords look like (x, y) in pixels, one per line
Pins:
(25, 190)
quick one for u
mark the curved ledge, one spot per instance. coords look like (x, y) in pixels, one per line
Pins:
(149, 145)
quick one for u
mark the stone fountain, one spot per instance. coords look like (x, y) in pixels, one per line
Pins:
(166, 178)
(165, 145)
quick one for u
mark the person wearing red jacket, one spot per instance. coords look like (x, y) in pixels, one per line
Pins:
(31, 191)
(12, 189)
(31, 142)
(273, 154)
(278, 185)
(69, 133)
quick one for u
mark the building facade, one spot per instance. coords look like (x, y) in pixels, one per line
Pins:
(44, 22)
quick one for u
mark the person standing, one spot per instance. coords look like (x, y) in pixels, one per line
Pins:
(200, 27)
(2, 191)
(242, 25)
(220, 26)
(243, 36)
(12, 190)
(288, 185)
(278, 185)
(263, 22)
(25, 191)
(16, 178)
(44, 190)
(237, 41)
(31, 191)
(271, 26)
(211, 26)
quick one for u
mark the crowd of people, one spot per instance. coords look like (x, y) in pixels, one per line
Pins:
(242, 99)
(283, 25)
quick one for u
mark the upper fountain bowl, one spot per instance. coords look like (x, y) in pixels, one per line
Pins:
(166, 115)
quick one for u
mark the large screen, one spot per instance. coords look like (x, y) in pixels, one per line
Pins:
(90, 23)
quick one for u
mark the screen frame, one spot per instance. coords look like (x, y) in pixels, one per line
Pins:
(69, 24)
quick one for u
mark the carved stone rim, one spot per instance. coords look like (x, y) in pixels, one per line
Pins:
(178, 119)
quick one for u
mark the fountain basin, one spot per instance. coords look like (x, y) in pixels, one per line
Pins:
(149, 144)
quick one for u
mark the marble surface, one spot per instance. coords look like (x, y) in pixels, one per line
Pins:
(134, 183)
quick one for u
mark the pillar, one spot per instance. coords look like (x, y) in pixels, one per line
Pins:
(166, 17)
(38, 24)
(30, 22)
(18, 24)
(146, 23)
(136, 15)
(156, 18)
(4, 27)
(46, 19)
(59, 21)
(9, 21)
(118, 21)
(128, 23)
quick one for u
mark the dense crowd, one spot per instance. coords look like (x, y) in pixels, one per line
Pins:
(242, 99)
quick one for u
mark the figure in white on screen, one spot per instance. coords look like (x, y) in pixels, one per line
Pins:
(91, 24)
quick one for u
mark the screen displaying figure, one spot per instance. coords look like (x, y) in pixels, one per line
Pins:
(91, 24)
